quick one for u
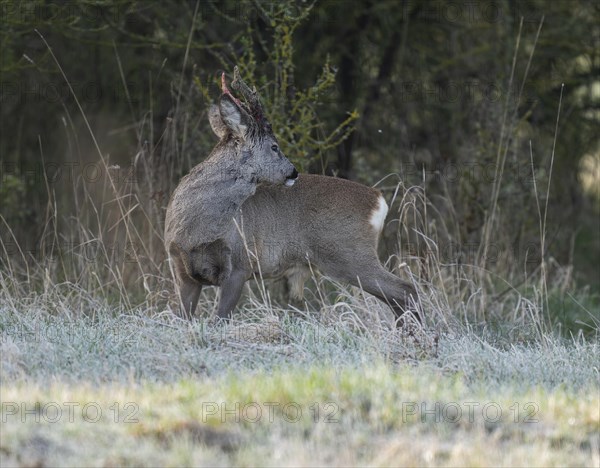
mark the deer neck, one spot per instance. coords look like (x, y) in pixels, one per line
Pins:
(228, 177)
(220, 185)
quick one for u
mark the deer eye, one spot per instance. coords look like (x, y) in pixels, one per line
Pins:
(275, 148)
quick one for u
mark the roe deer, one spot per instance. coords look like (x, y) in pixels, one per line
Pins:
(222, 227)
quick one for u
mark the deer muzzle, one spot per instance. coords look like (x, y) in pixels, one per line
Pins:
(291, 179)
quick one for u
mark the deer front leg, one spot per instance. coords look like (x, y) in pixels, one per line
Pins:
(231, 290)
(189, 293)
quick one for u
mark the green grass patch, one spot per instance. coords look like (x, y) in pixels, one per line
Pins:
(378, 415)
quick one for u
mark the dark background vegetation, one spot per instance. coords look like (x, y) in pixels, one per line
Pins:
(456, 98)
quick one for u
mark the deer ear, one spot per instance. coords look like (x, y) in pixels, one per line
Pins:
(216, 122)
(235, 118)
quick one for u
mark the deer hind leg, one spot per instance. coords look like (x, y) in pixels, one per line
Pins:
(296, 277)
(367, 272)
(394, 291)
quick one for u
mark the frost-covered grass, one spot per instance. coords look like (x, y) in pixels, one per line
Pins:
(49, 341)
(84, 382)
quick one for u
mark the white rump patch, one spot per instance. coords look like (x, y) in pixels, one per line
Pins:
(290, 182)
(378, 215)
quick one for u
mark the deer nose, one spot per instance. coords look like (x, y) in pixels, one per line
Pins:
(291, 179)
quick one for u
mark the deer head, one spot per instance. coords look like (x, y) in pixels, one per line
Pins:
(242, 124)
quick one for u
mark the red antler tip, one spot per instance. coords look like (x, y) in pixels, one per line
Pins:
(225, 90)
(223, 83)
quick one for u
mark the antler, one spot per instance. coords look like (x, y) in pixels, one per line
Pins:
(226, 91)
(250, 95)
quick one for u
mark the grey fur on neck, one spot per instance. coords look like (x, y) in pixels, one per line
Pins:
(210, 196)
